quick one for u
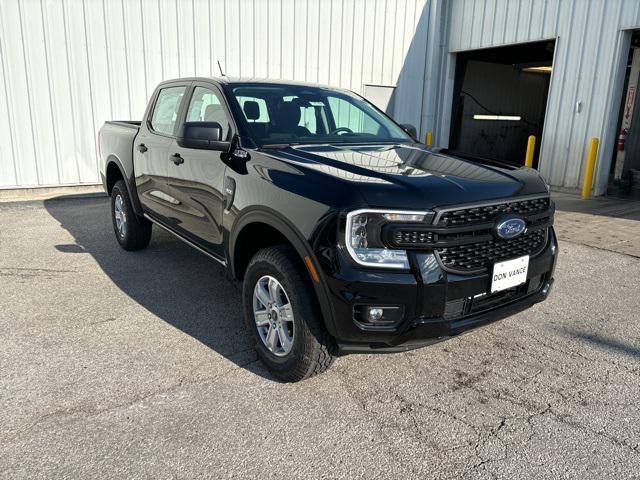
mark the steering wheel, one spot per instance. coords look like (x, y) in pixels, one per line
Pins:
(339, 130)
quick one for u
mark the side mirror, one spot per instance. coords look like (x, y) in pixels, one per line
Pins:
(410, 129)
(202, 135)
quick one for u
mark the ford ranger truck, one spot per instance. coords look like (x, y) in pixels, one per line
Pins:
(347, 234)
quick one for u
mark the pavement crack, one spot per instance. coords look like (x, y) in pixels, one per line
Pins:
(377, 425)
(86, 412)
(493, 434)
(102, 321)
(564, 419)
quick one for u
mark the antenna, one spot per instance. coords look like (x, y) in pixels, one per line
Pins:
(221, 72)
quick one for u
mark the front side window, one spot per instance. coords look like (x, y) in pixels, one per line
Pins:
(165, 110)
(292, 114)
(206, 106)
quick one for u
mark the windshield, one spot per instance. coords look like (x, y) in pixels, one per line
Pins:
(290, 114)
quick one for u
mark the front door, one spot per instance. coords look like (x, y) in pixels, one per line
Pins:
(151, 149)
(195, 177)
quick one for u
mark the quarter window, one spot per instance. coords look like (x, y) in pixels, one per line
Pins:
(165, 111)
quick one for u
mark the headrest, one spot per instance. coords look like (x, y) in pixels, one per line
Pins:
(289, 114)
(211, 110)
(251, 110)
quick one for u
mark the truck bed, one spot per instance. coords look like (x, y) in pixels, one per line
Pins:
(116, 141)
(125, 123)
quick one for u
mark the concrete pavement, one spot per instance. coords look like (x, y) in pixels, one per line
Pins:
(135, 365)
(602, 222)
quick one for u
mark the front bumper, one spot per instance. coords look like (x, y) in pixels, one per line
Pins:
(437, 305)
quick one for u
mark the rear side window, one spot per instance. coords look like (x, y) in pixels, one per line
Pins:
(165, 111)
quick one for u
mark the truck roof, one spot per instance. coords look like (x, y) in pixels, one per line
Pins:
(250, 80)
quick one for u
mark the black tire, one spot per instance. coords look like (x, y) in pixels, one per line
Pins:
(137, 233)
(312, 349)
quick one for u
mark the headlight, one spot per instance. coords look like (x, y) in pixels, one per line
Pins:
(363, 237)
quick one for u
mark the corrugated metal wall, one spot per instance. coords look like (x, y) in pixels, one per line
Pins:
(590, 56)
(69, 65)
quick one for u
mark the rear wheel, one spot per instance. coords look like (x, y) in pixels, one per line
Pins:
(132, 232)
(282, 315)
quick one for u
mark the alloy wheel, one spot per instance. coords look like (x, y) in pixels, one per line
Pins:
(273, 315)
(120, 215)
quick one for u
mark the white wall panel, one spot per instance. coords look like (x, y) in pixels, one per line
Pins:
(8, 169)
(37, 81)
(18, 98)
(418, 90)
(94, 60)
(69, 65)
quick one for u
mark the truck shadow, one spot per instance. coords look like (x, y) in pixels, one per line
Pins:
(173, 281)
(610, 344)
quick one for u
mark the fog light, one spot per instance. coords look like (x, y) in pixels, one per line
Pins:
(378, 315)
(374, 314)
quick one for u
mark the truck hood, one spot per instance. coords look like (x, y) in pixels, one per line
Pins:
(413, 176)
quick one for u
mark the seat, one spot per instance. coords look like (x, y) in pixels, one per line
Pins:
(288, 119)
(251, 111)
(215, 113)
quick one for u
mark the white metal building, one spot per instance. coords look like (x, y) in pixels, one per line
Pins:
(69, 65)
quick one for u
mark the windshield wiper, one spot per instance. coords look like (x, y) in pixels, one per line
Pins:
(276, 146)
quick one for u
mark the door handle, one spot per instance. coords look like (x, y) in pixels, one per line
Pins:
(177, 159)
(142, 148)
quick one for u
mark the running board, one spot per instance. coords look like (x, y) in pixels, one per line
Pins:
(188, 242)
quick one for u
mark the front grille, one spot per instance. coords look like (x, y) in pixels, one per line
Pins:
(464, 238)
(488, 213)
(410, 238)
(476, 257)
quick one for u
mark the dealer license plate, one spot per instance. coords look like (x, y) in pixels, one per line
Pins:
(509, 274)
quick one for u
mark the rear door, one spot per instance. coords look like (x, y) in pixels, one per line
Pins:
(196, 176)
(151, 146)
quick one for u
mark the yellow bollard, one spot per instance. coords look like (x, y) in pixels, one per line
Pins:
(429, 139)
(590, 168)
(531, 146)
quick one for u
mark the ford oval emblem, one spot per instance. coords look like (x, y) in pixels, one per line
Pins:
(510, 227)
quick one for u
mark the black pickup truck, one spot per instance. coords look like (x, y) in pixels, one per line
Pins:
(348, 234)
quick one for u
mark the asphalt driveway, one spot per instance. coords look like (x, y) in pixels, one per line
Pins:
(135, 365)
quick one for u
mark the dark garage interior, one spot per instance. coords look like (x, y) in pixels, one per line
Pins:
(500, 98)
(627, 185)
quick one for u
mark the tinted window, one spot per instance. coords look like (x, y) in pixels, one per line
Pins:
(206, 106)
(165, 111)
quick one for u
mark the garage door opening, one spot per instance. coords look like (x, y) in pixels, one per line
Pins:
(624, 174)
(500, 98)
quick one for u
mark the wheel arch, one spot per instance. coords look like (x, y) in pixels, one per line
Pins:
(115, 171)
(264, 216)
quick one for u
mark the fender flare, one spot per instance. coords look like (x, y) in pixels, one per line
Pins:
(272, 218)
(129, 181)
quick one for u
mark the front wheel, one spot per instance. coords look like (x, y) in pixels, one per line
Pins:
(282, 315)
(132, 232)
